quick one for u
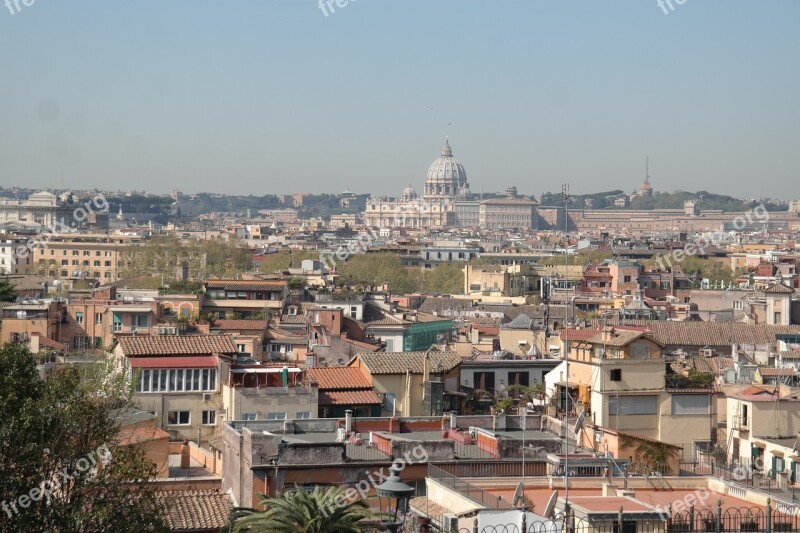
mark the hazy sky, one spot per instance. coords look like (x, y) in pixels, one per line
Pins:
(272, 96)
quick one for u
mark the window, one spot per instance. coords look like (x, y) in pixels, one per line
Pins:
(117, 323)
(633, 405)
(690, 404)
(179, 418)
(108, 263)
(79, 317)
(276, 416)
(302, 415)
(248, 416)
(178, 380)
(77, 342)
(209, 418)
(627, 279)
(98, 318)
(65, 262)
(616, 374)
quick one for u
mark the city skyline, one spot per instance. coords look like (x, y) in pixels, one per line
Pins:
(281, 98)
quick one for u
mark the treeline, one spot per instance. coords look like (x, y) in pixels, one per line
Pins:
(165, 255)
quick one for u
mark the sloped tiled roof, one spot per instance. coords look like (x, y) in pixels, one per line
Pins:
(339, 378)
(195, 510)
(778, 288)
(400, 362)
(776, 372)
(177, 345)
(702, 334)
(349, 397)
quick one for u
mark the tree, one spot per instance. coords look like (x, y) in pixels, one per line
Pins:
(323, 510)
(375, 269)
(297, 283)
(63, 464)
(6, 289)
(445, 279)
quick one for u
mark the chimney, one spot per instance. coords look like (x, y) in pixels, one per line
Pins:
(348, 421)
(608, 333)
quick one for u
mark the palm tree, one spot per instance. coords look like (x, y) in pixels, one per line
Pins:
(323, 510)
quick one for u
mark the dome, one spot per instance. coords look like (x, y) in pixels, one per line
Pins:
(446, 177)
(409, 193)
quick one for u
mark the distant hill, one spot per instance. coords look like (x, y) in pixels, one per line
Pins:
(659, 200)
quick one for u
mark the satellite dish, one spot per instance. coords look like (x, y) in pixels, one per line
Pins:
(518, 493)
(551, 504)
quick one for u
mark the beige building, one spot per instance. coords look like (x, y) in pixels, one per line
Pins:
(179, 378)
(506, 213)
(499, 280)
(400, 379)
(90, 256)
(620, 378)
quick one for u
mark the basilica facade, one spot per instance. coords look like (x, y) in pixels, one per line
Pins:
(445, 184)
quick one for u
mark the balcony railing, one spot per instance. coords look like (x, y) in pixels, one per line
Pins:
(742, 423)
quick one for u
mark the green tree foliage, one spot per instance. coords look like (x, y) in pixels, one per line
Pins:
(319, 511)
(373, 270)
(696, 268)
(445, 279)
(6, 289)
(280, 261)
(164, 255)
(55, 473)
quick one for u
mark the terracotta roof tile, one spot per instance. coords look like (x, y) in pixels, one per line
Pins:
(195, 510)
(775, 372)
(349, 397)
(400, 362)
(137, 345)
(339, 378)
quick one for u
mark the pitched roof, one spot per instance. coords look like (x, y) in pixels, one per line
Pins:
(136, 345)
(246, 285)
(195, 510)
(400, 362)
(703, 334)
(349, 397)
(778, 288)
(776, 372)
(339, 378)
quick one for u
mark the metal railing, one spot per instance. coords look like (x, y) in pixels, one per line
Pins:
(476, 494)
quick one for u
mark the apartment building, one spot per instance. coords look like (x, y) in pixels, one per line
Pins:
(506, 213)
(11, 261)
(227, 298)
(22, 320)
(91, 256)
(179, 378)
(621, 378)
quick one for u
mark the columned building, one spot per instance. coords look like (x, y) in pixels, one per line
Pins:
(445, 183)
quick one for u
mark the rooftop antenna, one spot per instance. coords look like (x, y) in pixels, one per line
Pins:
(647, 169)
(565, 193)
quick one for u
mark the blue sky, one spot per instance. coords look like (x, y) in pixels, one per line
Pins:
(272, 96)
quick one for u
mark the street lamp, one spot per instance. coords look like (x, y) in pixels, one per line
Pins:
(393, 497)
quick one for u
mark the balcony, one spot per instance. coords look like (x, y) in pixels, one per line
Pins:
(695, 380)
(741, 423)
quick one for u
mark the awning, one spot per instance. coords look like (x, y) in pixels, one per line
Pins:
(174, 362)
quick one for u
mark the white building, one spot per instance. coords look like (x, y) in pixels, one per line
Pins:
(445, 183)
